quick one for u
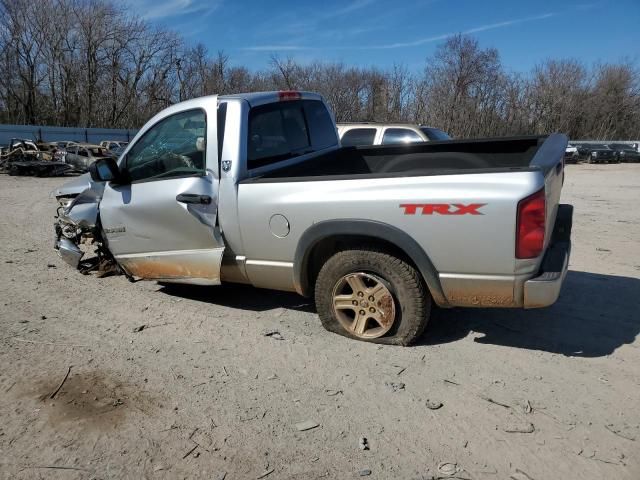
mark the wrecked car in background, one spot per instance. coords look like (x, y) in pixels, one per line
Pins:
(25, 157)
(80, 156)
(113, 144)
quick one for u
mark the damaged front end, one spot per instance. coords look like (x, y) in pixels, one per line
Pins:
(78, 230)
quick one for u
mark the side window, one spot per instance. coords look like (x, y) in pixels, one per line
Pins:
(276, 132)
(435, 134)
(358, 136)
(82, 152)
(321, 126)
(394, 136)
(174, 147)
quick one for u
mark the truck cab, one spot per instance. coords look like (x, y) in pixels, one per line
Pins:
(161, 215)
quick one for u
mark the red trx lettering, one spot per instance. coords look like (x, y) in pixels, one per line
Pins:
(442, 208)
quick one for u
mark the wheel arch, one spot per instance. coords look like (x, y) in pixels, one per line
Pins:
(319, 242)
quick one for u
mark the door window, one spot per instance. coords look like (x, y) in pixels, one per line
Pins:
(400, 135)
(358, 136)
(174, 147)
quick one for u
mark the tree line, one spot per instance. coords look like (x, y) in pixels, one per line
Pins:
(90, 63)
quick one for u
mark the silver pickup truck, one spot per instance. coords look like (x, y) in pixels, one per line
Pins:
(256, 189)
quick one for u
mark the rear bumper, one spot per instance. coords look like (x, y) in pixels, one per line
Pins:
(544, 289)
(527, 290)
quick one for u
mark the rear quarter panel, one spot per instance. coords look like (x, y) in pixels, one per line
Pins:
(459, 246)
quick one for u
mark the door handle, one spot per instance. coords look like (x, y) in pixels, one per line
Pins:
(193, 198)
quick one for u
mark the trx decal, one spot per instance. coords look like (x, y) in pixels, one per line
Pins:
(442, 208)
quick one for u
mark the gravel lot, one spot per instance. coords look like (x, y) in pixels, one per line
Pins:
(201, 392)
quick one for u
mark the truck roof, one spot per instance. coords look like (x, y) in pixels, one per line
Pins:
(260, 98)
(254, 99)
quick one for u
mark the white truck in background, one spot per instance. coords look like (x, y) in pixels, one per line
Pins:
(369, 133)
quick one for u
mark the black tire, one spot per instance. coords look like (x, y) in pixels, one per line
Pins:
(412, 299)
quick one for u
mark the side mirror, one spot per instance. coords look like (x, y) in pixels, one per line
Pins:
(104, 170)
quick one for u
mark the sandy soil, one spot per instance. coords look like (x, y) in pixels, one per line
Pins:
(201, 392)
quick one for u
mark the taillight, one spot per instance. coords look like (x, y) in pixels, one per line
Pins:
(288, 95)
(530, 226)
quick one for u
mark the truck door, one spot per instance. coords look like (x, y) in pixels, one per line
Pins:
(162, 224)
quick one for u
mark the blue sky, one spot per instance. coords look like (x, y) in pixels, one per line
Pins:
(383, 32)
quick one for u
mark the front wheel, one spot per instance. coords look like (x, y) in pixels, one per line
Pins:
(372, 296)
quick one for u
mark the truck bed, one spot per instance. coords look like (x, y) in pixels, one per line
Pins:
(432, 158)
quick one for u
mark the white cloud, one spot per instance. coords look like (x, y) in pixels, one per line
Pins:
(481, 28)
(353, 6)
(275, 48)
(413, 43)
(158, 9)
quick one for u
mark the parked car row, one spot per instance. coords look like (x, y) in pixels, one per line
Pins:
(604, 153)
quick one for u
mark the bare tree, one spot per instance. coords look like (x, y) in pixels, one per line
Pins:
(90, 63)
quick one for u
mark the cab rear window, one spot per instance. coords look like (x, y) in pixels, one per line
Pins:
(284, 130)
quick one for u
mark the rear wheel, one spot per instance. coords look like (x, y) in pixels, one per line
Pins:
(372, 296)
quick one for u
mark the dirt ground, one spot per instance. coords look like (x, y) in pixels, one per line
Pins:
(201, 392)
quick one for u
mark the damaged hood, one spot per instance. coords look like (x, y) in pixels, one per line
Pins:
(77, 186)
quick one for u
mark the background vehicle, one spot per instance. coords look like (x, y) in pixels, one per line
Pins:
(255, 189)
(53, 149)
(24, 143)
(353, 134)
(571, 154)
(80, 156)
(625, 152)
(598, 153)
(583, 150)
(111, 144)
(25, 157)
(116, 151)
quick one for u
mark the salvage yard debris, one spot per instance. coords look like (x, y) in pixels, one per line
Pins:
(520, 428)
(306, 425)
(447, 468)
(55, 392)
(24, 157)
(273, 334)
(395, 386)
(266, 473)
(363, 444)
